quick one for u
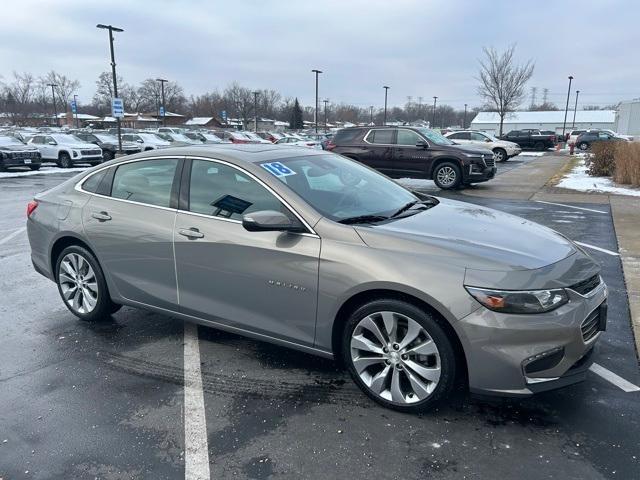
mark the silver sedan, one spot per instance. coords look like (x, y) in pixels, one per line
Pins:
(313, 251)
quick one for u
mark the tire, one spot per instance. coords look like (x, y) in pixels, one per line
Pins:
(423, 379)
(539, 146)
(71, 267)
(34, 167)
(2, 167)
(107, 155)
(64, 160)
(500, 155)
(583, 146)
(447, 176)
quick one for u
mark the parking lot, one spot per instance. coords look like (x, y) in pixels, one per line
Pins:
(146, 396)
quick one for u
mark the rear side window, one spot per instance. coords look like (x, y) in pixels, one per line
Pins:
(346, 135)
(145, 181)
(92, 183)
(380, 136)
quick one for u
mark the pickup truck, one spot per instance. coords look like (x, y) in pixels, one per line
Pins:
(530, 138)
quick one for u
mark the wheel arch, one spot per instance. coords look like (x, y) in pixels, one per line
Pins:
(66, 152)
(63, 241)
(441, 160)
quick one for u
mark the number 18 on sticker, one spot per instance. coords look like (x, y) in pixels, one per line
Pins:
(277, 169)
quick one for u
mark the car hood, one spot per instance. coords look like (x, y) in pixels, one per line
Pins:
(79, 146)
(471, 236)
(127, 145)
(473, 149)
(18, 148)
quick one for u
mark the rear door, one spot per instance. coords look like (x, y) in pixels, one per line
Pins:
(378, 145)
(409, 159)
(130, 227)
(263, 282)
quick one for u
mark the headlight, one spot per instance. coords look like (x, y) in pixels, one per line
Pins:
(472, 155)
(524, 301)
(74, 153)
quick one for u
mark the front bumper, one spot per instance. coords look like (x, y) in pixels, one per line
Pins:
(473, 175)
(514, 151)
(499, 347)
(20, 160)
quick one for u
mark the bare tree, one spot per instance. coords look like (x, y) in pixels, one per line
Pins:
(65, 87)
(150, 95)
(502, 82)
(20, 93)
(104, 93)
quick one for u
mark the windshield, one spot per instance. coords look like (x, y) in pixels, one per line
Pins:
(339, 188)
(67, 139)
(9, 141)
(435, 137)
(179, 137)
(106, 138)
(151, 137)
(211, 136)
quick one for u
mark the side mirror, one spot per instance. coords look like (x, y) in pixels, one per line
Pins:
(422, 144)
(52, 143)
(269, 221)
(140, 141)
(487, 140)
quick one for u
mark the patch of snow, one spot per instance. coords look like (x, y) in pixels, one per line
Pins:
(42, 171)
(531, 154)
(579, 179)
(416, 183)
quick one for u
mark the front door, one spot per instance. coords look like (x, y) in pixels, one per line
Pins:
(409, 159)
(131, 231)
(264, 282)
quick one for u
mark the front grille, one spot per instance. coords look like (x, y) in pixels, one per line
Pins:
(590, 325)
(23, 155)
(489, 161)
(587, 285)
(90, 152)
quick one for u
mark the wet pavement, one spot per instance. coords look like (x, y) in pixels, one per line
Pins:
(106, 400)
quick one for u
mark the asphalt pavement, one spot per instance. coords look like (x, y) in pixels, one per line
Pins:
(110, 400)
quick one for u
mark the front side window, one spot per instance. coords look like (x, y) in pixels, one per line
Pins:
(408, 137)
(222, 191)
(384, 137)
(478, 137)
(435, 137)
(145, 181)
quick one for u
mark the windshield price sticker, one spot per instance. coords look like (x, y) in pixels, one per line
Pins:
(277, 169)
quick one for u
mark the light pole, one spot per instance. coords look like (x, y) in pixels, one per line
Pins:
(325, 101)
(163, 110)
(112, 29)
(255, 111)
(573, 124)
(435, 99)
(386, 90)
(566, 109)
(464, 119)
(55, 109)
(371, 114)
(75, 102)
(317, 72)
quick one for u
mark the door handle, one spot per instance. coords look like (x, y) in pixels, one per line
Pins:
(191, 233)
(101, 216)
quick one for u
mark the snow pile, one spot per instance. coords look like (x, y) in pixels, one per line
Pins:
(580, 180)
(531, 154)
(42, 171)
(416, 183)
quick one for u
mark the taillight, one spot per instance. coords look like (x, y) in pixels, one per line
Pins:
(330, 145)
(31, 207)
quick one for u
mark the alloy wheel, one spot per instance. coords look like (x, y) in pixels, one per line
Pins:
(78, 283)
(447, 176)
(395, 357)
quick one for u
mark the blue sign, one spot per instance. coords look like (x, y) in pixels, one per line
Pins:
(74, 107)
(223, 114)
(162, 111)
(277, 169)
(117, 107)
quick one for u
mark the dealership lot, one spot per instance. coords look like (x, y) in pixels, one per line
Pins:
(108, 400)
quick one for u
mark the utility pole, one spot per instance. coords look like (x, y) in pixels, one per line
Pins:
(75, 102)
(325, 101)
(575, 108)
(112, 29)
(566, 109)
(435, 99)
(371, 114)
(464, 119)
(55, 109)
(386, 90)
(255, 111)
(420, 108)
(317, 72)
(163, 110)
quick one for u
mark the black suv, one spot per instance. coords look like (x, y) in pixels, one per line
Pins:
(586, 139)
(14, 153)
(415, 152)
(108, 144)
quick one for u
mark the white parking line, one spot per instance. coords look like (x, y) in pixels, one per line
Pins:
(571, 206)
(600, 249)
(196, 447)
(12, 235)
(611, 377)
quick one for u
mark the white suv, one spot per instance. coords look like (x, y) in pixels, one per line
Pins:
(502, 150)
(66, 150)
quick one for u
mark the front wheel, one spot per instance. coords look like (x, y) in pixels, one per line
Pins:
(81, 284)
(34, 167)
(107, 155)
(447, 176)
(583, 146)
(399, 355)
(64, 160)
(500, 155)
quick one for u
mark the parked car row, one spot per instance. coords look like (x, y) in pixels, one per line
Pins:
(532, 138)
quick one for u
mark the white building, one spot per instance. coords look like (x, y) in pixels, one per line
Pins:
(628, 118)
(546, 120)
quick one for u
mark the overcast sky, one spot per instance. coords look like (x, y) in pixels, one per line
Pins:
(418, 48)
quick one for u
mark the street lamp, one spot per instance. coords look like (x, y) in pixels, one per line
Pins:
(371, 114)
(464, 119)
(386, 90)
(255, 111)
(163, 109)
(566, 109)
(53, 95)
(75, 103)
(112, 29)
(574, 109)
(317, 72)
(433, 121)
(325, 101)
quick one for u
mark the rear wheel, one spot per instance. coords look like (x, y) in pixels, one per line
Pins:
(64, 160)
(539, 146)
(82, 285)
(399, 355)
(447, 176)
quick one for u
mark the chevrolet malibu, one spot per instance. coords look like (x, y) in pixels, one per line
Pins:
(310, 250)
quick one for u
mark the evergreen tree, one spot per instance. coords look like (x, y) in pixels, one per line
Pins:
(296, 116)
